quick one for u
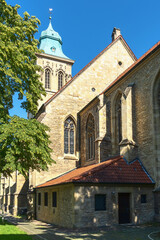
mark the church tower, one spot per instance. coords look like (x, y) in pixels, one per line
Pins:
(57, 67)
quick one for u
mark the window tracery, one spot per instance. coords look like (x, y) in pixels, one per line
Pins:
(118, 123)
(90, 137)
(60, 80)
(47, 78)
(69, 133)
(119, 120)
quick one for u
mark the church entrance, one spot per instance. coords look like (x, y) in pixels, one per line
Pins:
(124, 207)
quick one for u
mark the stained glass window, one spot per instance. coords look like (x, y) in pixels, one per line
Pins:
(69, 136)
(90, 138)
(47, 78)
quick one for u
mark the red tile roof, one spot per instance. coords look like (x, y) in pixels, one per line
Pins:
(116, 170)
(93, 60)
(123, 74)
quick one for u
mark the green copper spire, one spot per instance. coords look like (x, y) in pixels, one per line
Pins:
(51, 41)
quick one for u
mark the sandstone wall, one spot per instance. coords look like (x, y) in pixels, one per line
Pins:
(143, 128)
(86, 216)
(73, 98)
(61, 215)
(55, 65)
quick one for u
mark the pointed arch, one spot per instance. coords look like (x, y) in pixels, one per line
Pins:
(69, 135)
(90, 138)
(47, 78)
(156, 112)
(60, 79)
(117, 121)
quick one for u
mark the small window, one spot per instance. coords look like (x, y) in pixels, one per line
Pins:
(100, 202)
(54, 199)
(39, 199)
(143, 198)
(46, 199)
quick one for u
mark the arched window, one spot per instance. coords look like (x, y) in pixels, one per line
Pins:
(118, 122)
(156, 109)
(69, 133)
(60, 80)
(47, 78)
(90, 138)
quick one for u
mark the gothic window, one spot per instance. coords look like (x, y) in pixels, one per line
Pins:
(156, 109)
(47, 78)
(60, 80)
(69, 133)
(118, 122)
(90, 138)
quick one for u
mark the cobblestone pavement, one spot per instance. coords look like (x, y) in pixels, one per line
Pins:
(42, 231)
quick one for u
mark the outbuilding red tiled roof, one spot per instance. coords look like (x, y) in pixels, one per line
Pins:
(116, 170)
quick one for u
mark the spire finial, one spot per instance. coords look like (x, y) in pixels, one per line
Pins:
(50, 12)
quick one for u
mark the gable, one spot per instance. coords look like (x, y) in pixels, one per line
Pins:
(117, 52)
(76, 94)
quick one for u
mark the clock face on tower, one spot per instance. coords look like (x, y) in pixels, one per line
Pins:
(53, 49)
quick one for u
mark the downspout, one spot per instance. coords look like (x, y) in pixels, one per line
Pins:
(35, 206)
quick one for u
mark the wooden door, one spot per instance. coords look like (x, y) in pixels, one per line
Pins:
(124, 207)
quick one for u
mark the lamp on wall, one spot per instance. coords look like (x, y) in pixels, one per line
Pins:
(2, 179)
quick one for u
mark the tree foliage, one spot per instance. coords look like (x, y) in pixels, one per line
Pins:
(23, 143)
(18, 71)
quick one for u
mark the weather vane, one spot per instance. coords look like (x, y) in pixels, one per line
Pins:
(50, 12)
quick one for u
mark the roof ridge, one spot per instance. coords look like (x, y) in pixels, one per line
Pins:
(86, 173)
(85, 67)
(58, 176)
(98, 168)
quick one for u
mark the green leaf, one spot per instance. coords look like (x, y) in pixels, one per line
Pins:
(24, 144)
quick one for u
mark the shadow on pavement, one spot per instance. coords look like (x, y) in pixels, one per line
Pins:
(40, 230)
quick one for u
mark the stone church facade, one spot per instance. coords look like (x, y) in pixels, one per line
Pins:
(104, 130)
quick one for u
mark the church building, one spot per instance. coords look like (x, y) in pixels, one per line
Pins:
(105, 134)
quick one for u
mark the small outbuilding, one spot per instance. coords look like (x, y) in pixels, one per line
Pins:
(111, 192)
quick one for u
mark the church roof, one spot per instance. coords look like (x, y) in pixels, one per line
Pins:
(116, 170)
(91, 62)
(51, 42)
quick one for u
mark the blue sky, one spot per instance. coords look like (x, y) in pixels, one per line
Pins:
(86, 26)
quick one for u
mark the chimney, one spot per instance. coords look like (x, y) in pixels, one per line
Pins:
(116, 32)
